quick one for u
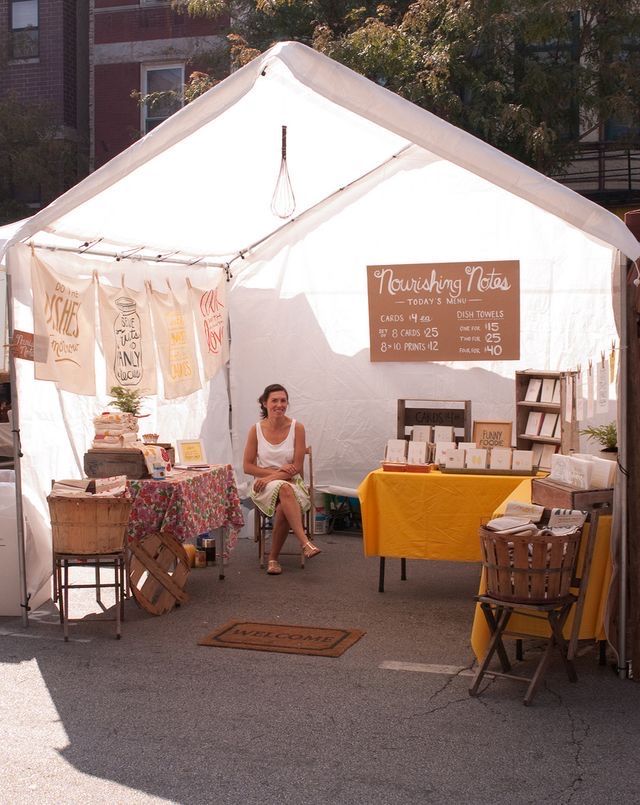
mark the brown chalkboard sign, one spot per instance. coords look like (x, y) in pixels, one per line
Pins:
(445, 311)
(455, 417)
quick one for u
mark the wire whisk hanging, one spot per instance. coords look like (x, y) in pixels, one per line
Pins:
(283, 201)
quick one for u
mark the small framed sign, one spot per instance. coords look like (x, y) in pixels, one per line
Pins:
(191, 451)
(492, 434)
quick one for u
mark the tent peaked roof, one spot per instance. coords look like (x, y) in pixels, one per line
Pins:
(201, 183)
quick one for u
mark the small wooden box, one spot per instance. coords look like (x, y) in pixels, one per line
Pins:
(556, 495)
(99, 463)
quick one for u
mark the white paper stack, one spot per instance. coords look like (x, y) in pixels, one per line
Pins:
(442, 433)
(422, 433)
(453, 458)
(396, 451)
(417, 453)
(476, 458)
(441, 448)
(512, 525)
(500, 458)
(522, 460)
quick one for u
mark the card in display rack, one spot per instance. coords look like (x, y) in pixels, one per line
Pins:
(417, 453)
(396, 451)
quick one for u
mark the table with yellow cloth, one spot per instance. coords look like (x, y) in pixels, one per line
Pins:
(432, 515)
(593, 614)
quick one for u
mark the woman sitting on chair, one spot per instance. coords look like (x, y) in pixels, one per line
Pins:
(274, 455)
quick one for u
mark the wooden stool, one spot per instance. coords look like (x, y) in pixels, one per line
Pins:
(62, 562)
(531, 575)
(88, 531)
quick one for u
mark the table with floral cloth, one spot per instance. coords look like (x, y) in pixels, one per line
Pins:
(186, 504)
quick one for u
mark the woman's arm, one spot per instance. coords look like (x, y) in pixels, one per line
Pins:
(299, 451)
(250, 458)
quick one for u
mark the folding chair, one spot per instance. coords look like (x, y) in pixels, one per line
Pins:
(530, 576)
(263, 524)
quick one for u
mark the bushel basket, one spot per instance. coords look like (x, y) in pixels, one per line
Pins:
(84, 525)
(526, 568)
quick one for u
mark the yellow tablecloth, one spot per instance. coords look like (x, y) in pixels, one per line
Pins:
(431, 515)
(592, 625)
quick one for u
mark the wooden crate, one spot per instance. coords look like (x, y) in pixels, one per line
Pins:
(158, 571)
(99, 463)
(556, 495)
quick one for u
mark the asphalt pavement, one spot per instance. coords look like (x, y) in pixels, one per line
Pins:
(154, 717)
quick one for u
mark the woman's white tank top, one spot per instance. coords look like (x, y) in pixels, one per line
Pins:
(275, 455)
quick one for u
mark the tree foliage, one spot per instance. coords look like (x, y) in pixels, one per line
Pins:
(35, 164)
(528, 76)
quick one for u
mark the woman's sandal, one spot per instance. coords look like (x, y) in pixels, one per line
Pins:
(273, 568)
(310, 550)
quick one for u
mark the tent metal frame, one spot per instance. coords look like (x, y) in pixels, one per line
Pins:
(17, 453)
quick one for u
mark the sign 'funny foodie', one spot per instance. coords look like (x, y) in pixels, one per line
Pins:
(445, 311)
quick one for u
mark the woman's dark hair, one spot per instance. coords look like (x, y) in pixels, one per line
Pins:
(262, 399)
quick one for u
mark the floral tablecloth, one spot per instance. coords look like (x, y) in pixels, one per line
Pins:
(186, 504)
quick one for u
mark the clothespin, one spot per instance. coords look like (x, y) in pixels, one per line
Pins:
(122, 280)
(612, 362)
(162, 257)
(128, 253)
(590, 372)
(88, 244)
(602, 358)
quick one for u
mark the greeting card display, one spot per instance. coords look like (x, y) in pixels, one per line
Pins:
(422, 433)
(417, 453)
(500, 458)
(396, 451)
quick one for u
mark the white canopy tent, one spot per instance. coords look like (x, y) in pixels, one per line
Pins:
(376, 180)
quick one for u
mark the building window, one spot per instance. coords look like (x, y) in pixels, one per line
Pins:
(23, 29)
(163, 92)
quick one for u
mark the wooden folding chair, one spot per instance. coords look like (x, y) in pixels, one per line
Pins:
(529, 575)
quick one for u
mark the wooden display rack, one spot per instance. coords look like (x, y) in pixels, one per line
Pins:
(455, 413)
(568, 439)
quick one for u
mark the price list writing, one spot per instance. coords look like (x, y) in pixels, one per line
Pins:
(445, 311)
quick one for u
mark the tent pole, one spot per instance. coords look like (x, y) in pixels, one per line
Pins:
(15, 428)
(622, 471)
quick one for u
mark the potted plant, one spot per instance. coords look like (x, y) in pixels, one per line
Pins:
(129, 401)
(607, 435)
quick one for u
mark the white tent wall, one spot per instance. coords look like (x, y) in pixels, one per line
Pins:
(299, 311)
(56, 427)
(200, 184)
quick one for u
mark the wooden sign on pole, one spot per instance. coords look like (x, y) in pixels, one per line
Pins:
(445, 311)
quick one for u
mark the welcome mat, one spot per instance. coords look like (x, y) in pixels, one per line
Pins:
(284, 639)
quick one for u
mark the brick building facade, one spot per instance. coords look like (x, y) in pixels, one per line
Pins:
(143, 46)
(86, 59)
(44, 58)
